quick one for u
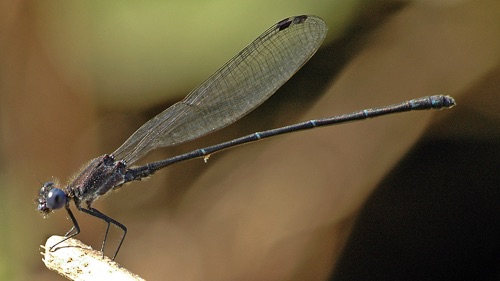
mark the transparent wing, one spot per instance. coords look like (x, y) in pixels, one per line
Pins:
(238, 87)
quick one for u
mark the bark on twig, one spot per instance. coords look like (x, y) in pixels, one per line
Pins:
(77, 261)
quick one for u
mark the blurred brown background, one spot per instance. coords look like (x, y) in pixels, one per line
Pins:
(413, 196)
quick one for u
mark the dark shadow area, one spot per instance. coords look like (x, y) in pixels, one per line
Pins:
(435, 217)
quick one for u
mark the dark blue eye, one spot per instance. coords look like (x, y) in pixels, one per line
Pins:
(56, 199)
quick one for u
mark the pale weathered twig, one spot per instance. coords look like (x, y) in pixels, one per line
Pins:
(77, 261)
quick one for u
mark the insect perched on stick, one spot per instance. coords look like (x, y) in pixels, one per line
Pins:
(234, 90)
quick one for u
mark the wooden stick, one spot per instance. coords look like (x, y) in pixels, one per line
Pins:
(77, 261)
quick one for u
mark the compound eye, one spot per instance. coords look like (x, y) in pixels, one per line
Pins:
(56, 199)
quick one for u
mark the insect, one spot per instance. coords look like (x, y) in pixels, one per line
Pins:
(238, 87)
